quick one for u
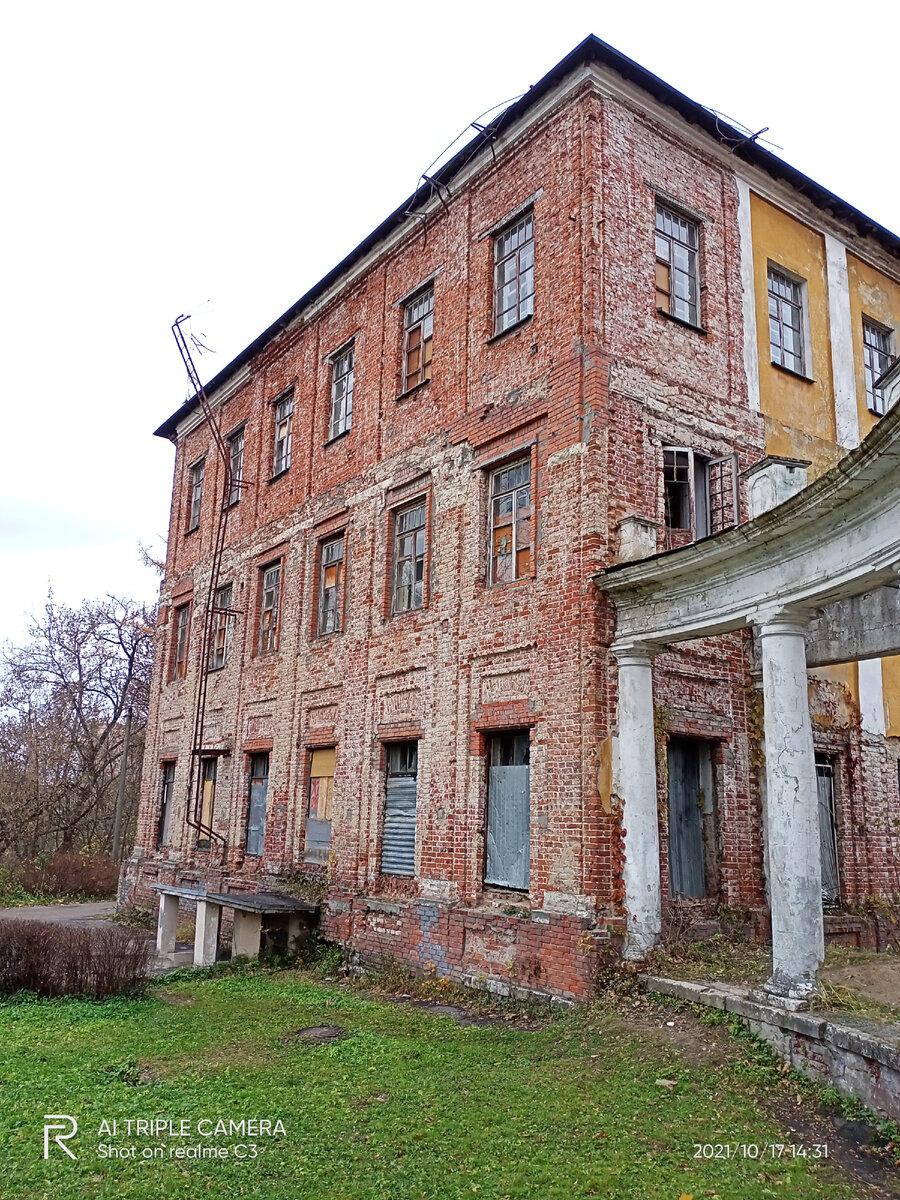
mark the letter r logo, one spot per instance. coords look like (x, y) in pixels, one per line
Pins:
(59, 1138)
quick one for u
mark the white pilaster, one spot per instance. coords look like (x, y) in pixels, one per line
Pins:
(846, 414)
(636, 784)
(167, 925)
(206, 933)
(871, 696)
(748, 295)
(795, 871)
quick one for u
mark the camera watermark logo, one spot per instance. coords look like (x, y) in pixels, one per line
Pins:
(69, 1132)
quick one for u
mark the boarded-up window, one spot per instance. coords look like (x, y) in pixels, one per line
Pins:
(398, 850)
(165, 804)
(208, 772)
(321, 802)
(331, 586)
(256, 809)
(508, 854)
(511, 526)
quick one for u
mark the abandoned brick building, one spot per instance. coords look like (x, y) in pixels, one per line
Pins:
(564, 352)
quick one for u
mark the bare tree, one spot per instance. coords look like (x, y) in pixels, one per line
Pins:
(64, 698)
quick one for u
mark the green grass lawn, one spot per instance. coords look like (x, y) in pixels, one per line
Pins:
(407, 1104)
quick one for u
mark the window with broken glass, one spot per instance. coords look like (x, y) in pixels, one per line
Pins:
(514, 274)
(208, 771)
(180, 641)
(321, 802)
(419, 328)
(677, 265)
(223, 620)
(786, 322)
(331, 585)
(236, 464)
(270, 587)
(165, 804)
(700, 494)
(511, 524)
(877, 359)
(409, 558)
(341, 392)
(284, 419)
(196, 497)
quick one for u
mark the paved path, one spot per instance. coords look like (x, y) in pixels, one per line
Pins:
(95, 913)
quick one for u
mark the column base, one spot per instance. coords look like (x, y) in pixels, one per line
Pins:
(786, 991)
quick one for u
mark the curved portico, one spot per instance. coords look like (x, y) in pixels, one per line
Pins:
(818, 579)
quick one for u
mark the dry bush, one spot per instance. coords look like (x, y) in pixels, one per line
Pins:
(71, 960)
(68, 874)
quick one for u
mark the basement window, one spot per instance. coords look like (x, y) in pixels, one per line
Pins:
(700, 494)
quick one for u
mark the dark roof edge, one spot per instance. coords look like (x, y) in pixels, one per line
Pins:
(591, 50)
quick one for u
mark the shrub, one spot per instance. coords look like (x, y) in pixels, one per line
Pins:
(71, 960)
(66, 873)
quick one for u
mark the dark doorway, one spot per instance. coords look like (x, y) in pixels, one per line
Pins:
(507, 862)
(831, 883)
(691, 817)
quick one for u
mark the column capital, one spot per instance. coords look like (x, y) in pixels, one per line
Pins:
(634, 652)
(776, 620)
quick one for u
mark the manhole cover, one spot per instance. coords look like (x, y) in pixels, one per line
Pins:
(315, 1033)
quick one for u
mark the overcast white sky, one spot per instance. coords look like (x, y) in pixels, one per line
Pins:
(159, 156)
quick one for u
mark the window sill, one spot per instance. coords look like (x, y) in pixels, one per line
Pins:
(193, 529)
(510, 329)
(405, 612)
(409, 391)
(499, 584)
(337, 437)
(661, 312)
(215, 670)
(318, 638)
(790, 371)
(279, 474)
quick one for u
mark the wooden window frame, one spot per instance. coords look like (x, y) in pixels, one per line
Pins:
(875, 401)
(340, 416)
(495, 472)
(275, 628)
(322, 565)
(223, 627)
(179, 660)
(236, 463)
(418, 337)
(314, 854)
(166, 798)
(207, 799)
(668, 239)
(519, 257)
(797, 301)
(396, 535)
(698, 469)
(282, 449)
(196, 474)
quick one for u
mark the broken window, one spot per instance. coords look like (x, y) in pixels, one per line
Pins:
(321, 800)
(692, 815)
(167, 794)
(700, 494)
(511, 527)
(208, 770)
(331, 585)
(877, 359)
(409, 558)
(196, 497)
(418, 330)
(256, 808)
(270, 585)
(284, 419)
(398, 847)
(514, 274)
(786, 321)
(831, 880)
(508, 854)
(677, 265)
(341, 392)
(223, 620)
(180, 641)
(236, 463)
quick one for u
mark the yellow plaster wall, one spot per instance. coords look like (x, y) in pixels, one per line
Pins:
(799, 413)
(890, 675)
(871, 295)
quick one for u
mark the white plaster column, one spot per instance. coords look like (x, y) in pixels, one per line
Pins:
(871, 696)
(167, 925)
(792, 822)
(206, 933)
(246, 936)
(840, 324)
(748, 294)
(636, 785)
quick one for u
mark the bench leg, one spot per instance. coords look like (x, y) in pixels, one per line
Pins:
(167, 926)
(206, 935)
(247, 928)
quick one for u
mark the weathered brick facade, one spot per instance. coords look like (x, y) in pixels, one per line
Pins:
(588, 390)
